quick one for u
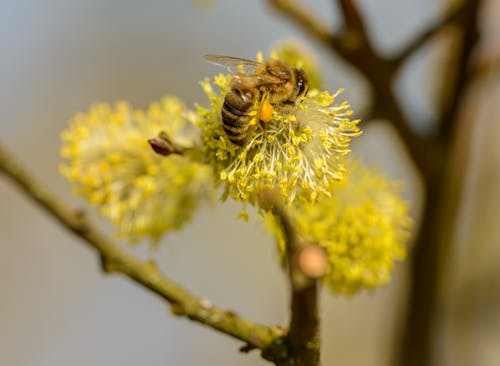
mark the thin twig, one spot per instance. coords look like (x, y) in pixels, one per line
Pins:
(434, 241)
(352, 16)
(115, 259)
(354, 32)
(307, 21)
(470, 37)
(303, 336)
(487, 63)
(451, 16)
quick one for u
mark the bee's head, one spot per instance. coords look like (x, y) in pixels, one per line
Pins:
(302, 83)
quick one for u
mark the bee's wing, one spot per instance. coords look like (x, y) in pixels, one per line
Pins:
(235, 65)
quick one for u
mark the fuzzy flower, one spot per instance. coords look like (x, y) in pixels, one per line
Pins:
(299, 152)
(109, 162)
(363, 227)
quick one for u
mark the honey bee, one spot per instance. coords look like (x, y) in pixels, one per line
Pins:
(256, 86)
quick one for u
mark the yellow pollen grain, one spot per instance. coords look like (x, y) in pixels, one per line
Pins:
(266, 111)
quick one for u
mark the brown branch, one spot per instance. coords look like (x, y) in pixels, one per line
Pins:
(452, 15)
(354, 32)
(435, 239)
(352, 17)
(307, 21)
(486, 63)
(115, 259)
(303, 339)
(470, 36)
(312, 26)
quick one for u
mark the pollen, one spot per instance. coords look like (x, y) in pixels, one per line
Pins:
(266, 111)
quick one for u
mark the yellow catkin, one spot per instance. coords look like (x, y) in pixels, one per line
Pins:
(363, 226)
(281, 153)
(108, 161)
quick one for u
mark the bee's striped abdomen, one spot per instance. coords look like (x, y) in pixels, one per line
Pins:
(235, 119)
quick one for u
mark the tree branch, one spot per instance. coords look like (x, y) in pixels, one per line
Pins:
(486, 63)
(352, 16)
(452, 15)
(115, 259)
(354, 34)
(470, 36)
(308, 22)
(303, 337)
(435, 238)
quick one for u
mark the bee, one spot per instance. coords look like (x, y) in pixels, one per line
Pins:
(256, 86)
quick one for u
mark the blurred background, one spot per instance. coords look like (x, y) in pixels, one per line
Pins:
(57, 308)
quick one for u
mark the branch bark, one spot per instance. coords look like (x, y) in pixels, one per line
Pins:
(470, 36)
(354, 29)
(452, 15)
(443, 194)
(303, 339)
(115, 259)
